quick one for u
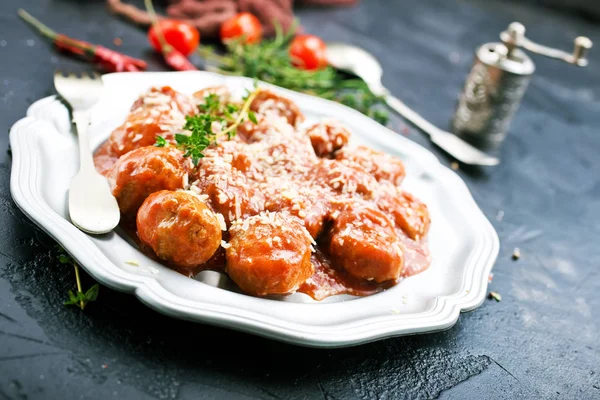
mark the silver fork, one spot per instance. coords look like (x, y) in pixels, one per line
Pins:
(92, 206)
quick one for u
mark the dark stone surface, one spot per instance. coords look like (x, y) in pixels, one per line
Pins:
(541, 341)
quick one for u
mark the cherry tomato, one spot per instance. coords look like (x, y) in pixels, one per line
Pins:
(241, 25)
(308, 52)
(182, 36)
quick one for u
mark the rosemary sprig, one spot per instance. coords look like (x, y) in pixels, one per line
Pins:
(79, 299)
(270, 62)
(213, 113)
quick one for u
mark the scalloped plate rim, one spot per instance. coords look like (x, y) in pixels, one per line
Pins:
(443, 315)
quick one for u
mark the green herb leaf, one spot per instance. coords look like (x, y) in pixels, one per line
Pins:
(72, 298)
(160, 142)
(211, 104)
(76, 299)
(180, 138)
(83, 298)
(380, 116)
(247, 94)
(92, 293)
(252, 117)
(64, 259)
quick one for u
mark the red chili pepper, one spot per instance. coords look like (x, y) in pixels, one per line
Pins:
(117, 62)
(68, 45)
(178, 61)
(108, 60)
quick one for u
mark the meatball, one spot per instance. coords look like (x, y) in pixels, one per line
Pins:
(232, 197)
(104, 159)
(221, 92)
(251, 132)
(269, 103)
(364, 242)
(382, 166)
(269, 254)
(328, 137)
(141, 129)
(344, 179)
(179, 228)
(409, 213)
(159, 112)
(143, 171)
(165, 96)
(228, 189)
(307, 204)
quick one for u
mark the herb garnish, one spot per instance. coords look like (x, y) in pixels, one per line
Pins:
(270, 62)
(160, 142)
(79, 299)
(215, 120)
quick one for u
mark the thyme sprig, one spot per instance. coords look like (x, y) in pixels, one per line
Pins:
(79, 298)
(270, 62)
(215, 120)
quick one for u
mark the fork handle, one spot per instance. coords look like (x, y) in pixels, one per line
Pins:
(397, 105)
(82, 121)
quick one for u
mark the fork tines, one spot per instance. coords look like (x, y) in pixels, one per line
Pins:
(77, 75)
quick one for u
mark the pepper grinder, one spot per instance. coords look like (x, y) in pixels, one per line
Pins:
(497, 82)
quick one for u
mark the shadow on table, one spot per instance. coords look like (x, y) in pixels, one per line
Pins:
(243, 362)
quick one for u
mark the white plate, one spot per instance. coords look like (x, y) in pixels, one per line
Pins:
(463, 243)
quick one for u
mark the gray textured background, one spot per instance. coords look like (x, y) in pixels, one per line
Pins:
(541, 341)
